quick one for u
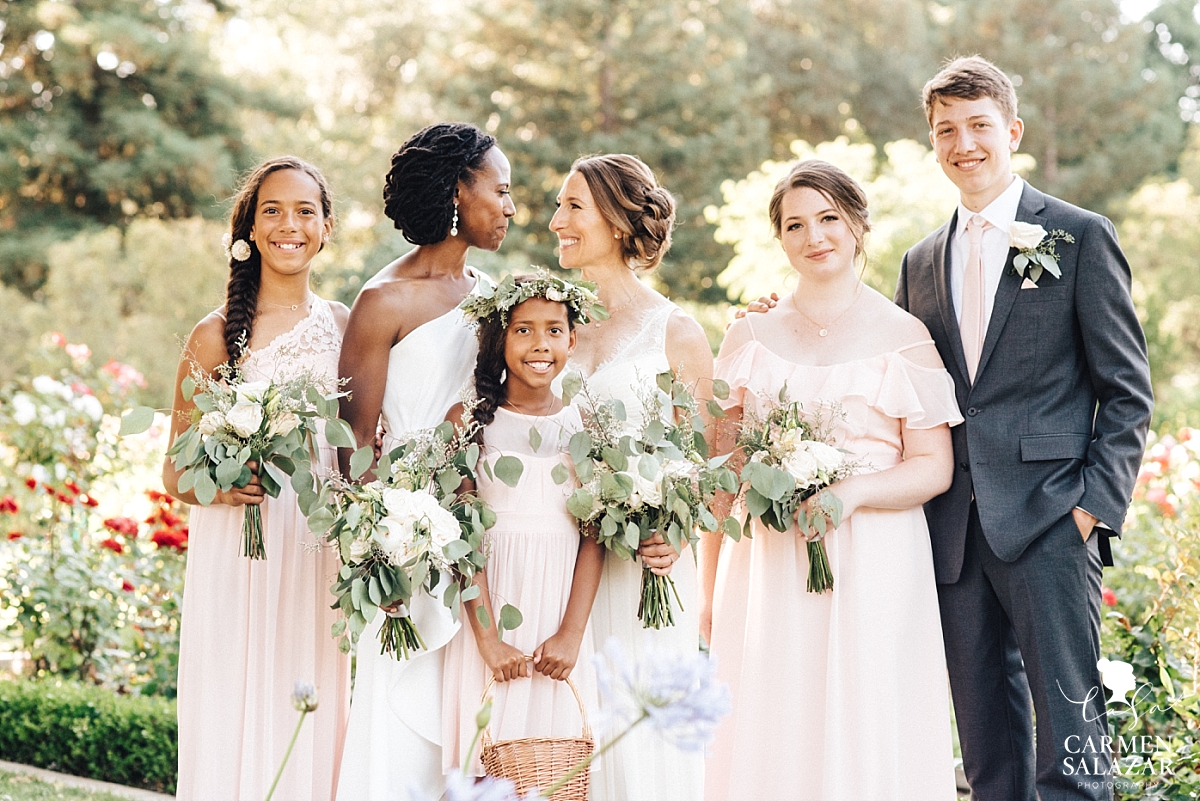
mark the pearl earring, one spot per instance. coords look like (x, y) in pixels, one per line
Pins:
(454, 222)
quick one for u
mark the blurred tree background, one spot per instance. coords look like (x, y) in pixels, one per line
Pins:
(124, 125)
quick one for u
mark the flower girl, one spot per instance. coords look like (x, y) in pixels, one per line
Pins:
(537, 561)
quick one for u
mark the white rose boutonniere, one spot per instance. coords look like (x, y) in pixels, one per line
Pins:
(1036, 249)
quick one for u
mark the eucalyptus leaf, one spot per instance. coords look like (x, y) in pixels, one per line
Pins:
(580, 504)
(1035, 272)
(510, 617)
(509, 469)
(535, 439)
(579, 446)
(614, 458)
(302, 481)
(664, 380)
(456, 549)
(206, 490)
(188, 387)
(204, 403)
(338, 628)
(481, 613)
(1019, 262)
(714, 410)
(720, 389)
(339, 434)
(187, 479)
(360, 461)
(559, 474)
(136, 420)
(572, 385)
(731, 529)
(471, 593)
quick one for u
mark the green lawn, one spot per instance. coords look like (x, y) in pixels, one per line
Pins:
(18, 787)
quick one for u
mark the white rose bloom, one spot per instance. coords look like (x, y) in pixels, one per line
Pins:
(802, 466)
(210, 423)
(89, 405)
(555, 295)
(828, 457)
(648, 491)
(244, 418)
(24, 409)
(394, 538)
(283, 424)
(443, 528)
(46, 385)
(251, 390)
(359, 548)
(240, 250)
(679, 468)
(400, 504)
(1024, 236)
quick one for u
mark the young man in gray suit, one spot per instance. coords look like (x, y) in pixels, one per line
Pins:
(1050, 367)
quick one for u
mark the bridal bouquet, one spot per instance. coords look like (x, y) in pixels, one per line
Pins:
(272, 424)
(403, 533)
(638, 482)
(788, 460)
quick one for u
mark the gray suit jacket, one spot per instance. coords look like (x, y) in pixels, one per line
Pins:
(1058, 414)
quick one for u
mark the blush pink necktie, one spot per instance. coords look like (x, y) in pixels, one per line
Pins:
(972, 320)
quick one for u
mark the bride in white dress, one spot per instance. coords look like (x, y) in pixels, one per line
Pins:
(614, 221)
(408, 353)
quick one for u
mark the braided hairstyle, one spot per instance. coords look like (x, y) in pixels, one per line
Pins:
(631, 201)
(490, 366)
(241, 293)
(418, 191)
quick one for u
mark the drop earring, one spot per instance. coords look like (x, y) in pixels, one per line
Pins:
(454, 222)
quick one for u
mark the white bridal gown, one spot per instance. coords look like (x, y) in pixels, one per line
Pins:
(394, 741)
(642, 766)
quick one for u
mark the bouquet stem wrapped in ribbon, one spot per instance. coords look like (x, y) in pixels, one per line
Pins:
(656, 479)
(789, 459)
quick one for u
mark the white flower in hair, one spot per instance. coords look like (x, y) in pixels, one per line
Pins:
(240, 250)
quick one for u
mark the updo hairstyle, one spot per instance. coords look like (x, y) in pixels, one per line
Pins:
(631, 201)
(832, 182)
(241, 293)
(418, 191)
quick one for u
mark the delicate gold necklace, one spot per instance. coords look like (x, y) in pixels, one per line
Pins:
(613, 310)
(544, 413)
(823, 330)
(292, 306)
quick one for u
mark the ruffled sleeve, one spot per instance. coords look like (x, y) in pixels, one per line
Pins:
(924, 396)
(737, 369)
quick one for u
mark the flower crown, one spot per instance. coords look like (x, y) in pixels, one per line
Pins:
(583, 305)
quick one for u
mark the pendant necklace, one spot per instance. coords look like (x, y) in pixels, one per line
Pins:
(823, 330)
(292, 306)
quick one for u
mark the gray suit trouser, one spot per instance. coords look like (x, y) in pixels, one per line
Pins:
(1042, 610)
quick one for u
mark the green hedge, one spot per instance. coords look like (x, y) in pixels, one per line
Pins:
(89, 731)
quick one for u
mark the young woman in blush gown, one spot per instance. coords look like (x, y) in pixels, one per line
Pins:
(253, 628)
(842, 694)
(408, 354)
(614, 222)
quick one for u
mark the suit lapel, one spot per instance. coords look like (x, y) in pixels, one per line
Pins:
(1028, 211)
(941, 284)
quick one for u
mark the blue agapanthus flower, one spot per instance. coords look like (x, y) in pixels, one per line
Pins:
(677, 693)
(464, 788)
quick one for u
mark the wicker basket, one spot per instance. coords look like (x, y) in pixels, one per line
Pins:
(540, 761)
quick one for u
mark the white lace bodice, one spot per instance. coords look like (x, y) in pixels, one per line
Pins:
(633, 363)
(313, 344)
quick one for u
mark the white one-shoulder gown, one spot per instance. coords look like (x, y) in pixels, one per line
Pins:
(393, 745)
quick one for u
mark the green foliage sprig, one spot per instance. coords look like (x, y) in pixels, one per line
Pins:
(579, 296)
(789, 459)
(407, 532)
(636, 482)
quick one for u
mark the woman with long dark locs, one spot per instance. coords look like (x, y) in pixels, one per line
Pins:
(408, 353)
(252, 628)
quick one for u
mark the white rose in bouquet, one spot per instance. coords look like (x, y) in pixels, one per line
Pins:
(251, 390)
(211, 423)
(802, 466)
(359, 548)
(283, 424)
(1025, 236)
(394, 537)
(244, 418)
(400, 503)
(648, 491)
(828, 457)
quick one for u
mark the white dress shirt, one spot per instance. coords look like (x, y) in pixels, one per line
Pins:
(1001, 213)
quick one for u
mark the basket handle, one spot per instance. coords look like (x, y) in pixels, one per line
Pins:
(486, 736)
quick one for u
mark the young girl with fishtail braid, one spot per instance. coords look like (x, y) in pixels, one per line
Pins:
(537, 560)
(253, 628)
